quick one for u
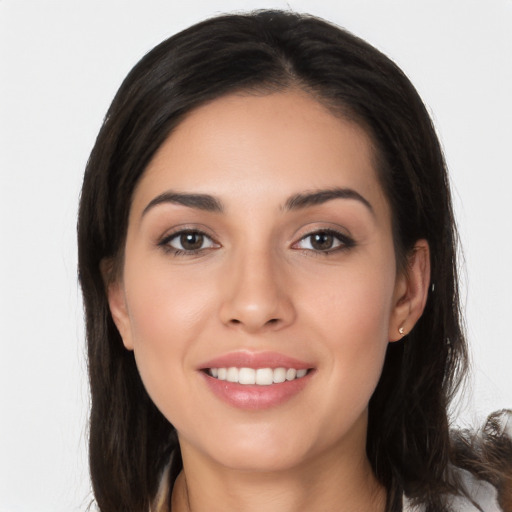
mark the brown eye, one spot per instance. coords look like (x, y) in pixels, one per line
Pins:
(326, 241)
(188, 242)
(322, 241)
(191, 241)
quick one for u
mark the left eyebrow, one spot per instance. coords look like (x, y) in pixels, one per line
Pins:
(304, 200)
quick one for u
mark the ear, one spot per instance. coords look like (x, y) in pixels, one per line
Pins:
(411, 291)
(117, 302)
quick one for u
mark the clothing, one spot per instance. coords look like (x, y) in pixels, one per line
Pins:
(479, 493)
(482, 493)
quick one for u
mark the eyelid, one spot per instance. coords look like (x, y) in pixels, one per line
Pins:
(345, 241)
(178, 231)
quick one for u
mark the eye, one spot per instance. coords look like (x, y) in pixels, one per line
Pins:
(188, 242)
(325, 240)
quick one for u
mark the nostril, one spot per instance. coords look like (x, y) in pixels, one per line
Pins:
(272, 321)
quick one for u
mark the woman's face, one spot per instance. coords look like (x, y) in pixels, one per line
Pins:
(259, 248)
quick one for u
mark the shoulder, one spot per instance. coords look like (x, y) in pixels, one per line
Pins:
(487, 454)
(477, 496)
(480, 496)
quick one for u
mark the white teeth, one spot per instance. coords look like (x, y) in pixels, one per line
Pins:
(232, 375)
(279, 375)
(247, 376)
(291, 373)
(261, 376)
(264, 376)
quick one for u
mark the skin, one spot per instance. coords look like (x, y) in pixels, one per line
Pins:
(258, 284)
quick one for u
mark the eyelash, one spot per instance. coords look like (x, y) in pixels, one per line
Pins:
(165, 243)
(345, 242)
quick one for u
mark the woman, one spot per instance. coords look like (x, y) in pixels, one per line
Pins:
(267, 257)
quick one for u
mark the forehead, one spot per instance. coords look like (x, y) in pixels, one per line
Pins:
(262, 148)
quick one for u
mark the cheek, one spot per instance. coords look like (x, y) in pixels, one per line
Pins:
(167, 316)
(356, 302)
(352, 313)
(166, 306)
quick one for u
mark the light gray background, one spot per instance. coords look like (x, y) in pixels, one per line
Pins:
(60, 65)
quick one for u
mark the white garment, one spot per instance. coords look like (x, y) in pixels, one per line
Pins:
(482, 493)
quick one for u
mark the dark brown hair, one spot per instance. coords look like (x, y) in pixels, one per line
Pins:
(408, 436)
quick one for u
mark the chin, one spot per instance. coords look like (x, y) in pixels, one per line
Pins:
(250, 448)
(260, 459)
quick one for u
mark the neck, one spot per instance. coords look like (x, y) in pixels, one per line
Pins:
(328, 484)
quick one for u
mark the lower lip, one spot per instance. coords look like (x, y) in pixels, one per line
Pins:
(253, 397)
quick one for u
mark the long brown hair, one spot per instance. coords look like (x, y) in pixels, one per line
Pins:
(408, 442)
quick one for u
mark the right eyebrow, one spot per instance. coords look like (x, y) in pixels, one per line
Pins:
(204, 202)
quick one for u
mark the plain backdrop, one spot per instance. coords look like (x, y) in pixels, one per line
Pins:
(60, 65)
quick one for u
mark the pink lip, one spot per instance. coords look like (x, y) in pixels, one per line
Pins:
(255, 360)
(252, 397)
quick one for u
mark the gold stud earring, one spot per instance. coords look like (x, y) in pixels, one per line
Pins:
(401, 331)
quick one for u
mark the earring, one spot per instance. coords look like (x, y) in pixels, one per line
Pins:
(401, 331)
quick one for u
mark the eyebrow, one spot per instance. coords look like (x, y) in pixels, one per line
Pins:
(199, 201)
(299, 201)
(304, 200)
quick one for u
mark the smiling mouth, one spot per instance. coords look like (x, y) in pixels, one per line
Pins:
(258, 377)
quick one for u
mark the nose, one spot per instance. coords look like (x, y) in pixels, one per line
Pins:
(256, 294)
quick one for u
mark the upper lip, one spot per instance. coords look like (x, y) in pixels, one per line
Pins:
(246, 359)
